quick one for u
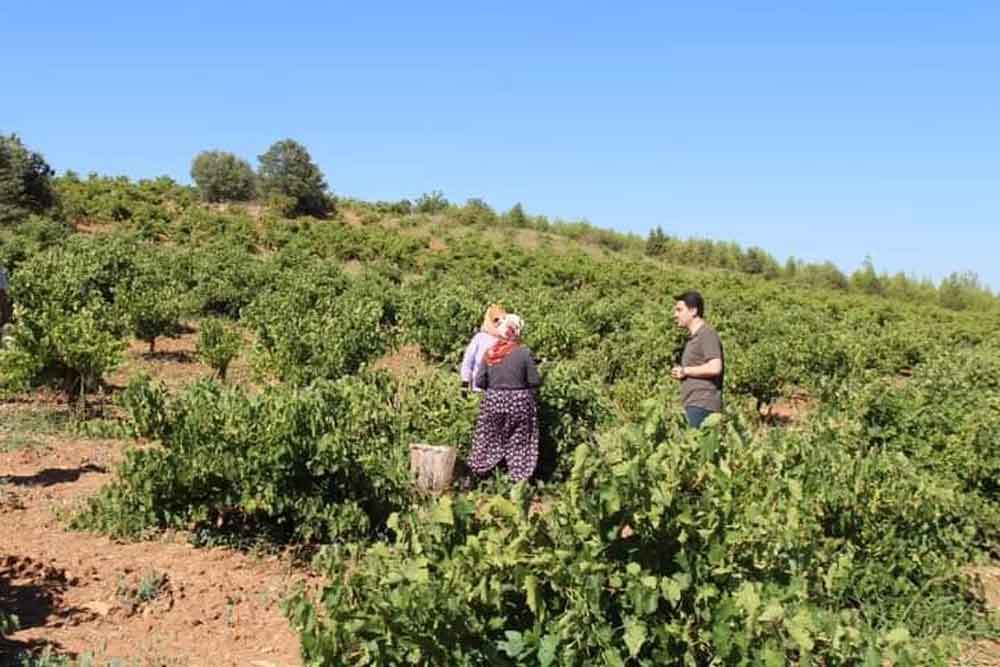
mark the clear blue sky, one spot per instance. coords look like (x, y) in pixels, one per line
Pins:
(831, 132)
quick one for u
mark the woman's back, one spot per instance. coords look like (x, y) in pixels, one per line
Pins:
(516, 371)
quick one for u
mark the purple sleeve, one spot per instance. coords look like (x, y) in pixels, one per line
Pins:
(469, 360)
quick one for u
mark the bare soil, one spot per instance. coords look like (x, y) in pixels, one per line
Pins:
(148, 603)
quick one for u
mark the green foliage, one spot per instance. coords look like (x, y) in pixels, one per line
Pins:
(218, 345)
(221, 177)
(572, 411)
(516, 216)
(146, 205)
(146, 406)
(963, 291)
(441, 318)
(29, 238)
(837, 540)
(153, 301)
(656, 242)
(25, 181)
(432, 410)
(287, 170)
(8, 624)
(317, 324)
(476, 212)
(310, 464)
(663, 547)
(866, 280)
(431, 203)
(223, 278)
(70, 325)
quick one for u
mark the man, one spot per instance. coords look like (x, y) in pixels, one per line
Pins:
(702, 364)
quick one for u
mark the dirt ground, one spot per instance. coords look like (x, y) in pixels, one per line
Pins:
(175, 362)
(161, 603)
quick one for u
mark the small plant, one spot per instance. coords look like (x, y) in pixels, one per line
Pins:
(149, 587)
(146, 405)
(49, 658)
(8, 624)
(218, 345)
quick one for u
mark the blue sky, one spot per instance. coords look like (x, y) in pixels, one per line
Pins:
(832, 131)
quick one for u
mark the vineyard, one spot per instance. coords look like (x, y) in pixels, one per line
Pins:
(832, 517)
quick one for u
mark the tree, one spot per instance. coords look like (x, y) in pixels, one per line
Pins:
(866, 280)
(961, 291)
(431, 203)
(25, 185)
(222, 176)
(287, 170)
(757, 261)
(516, 216)
(656, 243)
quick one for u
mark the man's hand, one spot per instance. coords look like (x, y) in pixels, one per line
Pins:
(677, 373)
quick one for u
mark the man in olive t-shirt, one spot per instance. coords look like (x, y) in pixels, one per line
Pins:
(702, 364)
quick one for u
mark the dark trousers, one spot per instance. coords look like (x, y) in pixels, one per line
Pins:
(5, 307)
(696, 415)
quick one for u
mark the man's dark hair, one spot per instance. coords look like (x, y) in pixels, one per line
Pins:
(693, 300)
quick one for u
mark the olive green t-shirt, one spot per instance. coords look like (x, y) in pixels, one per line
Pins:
(699, 349)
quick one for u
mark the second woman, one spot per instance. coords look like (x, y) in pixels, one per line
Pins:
(507, 428)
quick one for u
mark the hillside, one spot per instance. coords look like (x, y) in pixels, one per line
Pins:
(250, 383)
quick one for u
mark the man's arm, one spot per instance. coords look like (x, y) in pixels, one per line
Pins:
(706, 371)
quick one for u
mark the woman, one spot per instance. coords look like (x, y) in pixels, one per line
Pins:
(481, 342)
(507, 428)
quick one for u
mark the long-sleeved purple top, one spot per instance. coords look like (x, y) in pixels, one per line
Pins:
(474, 353)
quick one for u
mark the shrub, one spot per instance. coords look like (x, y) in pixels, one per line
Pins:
(70, 325)
(312, 464)
(153, 300)
(218, 345)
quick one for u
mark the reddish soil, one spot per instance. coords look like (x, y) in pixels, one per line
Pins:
(175, 362)
(149, 603)
(788, 410)
(407, 361)
(352, 218)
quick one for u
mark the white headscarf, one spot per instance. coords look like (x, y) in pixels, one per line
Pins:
(510, 327)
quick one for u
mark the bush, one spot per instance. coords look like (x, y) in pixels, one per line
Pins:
(310, 464)
(307, 333)
(287, 169)
(25, 181)
(70, 324)
(153, 300)
(222, 176)
(664, 547)
(146, 406)
(218, 345)
(223, 278)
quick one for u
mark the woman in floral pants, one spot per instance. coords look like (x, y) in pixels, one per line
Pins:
(507, 428)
